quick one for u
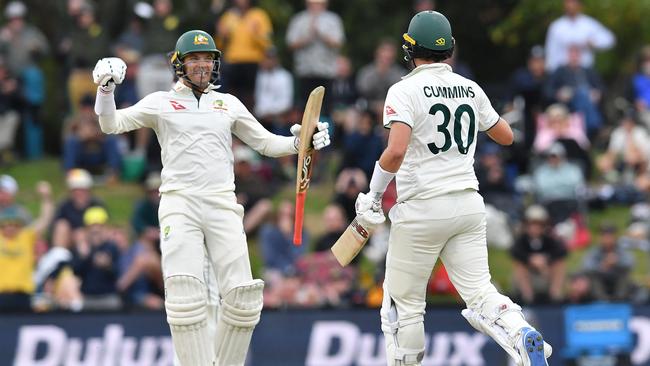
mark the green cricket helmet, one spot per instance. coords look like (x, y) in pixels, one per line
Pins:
(191, 42)
(429, 37)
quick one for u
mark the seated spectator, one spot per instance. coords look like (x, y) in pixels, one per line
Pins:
(335, 223)
(18, 257)
(276, 243)
(609, 266)
(69, 213)
(90, 149)
(556, 184)
(145, 213)
(626, 159)
(640, 86)
(578, 87)
(10, 104)
(363, 144)
(495, 186)
(348, 185)
(538, 260)
(344, 92)
(96, 262)
(557, 125)
(374, 79)
(8, 191)
(579, 289)
(252, 190)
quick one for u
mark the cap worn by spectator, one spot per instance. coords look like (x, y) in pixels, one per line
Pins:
(8, 184)
(15, 9)
(95, 216)
(536, 213)
(79, 179)
(13, 215)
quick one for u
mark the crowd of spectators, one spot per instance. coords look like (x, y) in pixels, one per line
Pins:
(568, 159)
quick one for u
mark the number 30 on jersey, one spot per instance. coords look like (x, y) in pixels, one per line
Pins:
(457, 127)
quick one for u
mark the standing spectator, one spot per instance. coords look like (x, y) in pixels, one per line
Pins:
(315, 36)
(273, 90)
(17, 251)
(244, 35)
(575, 29)
(528, 83)
(609, 267)
(96, 262)
(641, 86)
(374, 79)
(539, 260)
(580, 88)
(21, 43)
(10, 104)
(8, 191)
(70, 212)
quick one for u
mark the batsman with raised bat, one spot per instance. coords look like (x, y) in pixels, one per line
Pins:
(434, 116)
(199, 215)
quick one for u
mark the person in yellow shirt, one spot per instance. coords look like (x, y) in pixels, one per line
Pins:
(244, 34)
(17, 257)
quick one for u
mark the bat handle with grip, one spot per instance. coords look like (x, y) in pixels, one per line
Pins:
(300, 214)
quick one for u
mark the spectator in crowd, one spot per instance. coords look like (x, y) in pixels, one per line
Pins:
(640, 86)
(160, 31)
(17, 251)
(558, 125)
(8, 191)
(335, 223)
(20, 42)
(556, 184)
(133, 36)
(96, 261)
(89, 149)
(495, 185)
(575, 29)
(528, 83)
(315, 36)
(627, 153)
(85, 44)
(348, 184)
(363, 144)
(273, 91)
(70, 212)
(374, 79)
(538, 260)
(344, 92)
(145, 212)
(11, 103)
(579, 289)
(252, 190)
(578, 87)
(276, 243)
(609, 266)
(244, 36)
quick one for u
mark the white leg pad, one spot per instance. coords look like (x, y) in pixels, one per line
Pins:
(185, 303)
(239, 313)
(404, 338)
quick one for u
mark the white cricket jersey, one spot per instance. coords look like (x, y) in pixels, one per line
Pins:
(445, 112)
(196, 136)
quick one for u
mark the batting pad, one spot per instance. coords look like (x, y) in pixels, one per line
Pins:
(238, 315)
(186, 308)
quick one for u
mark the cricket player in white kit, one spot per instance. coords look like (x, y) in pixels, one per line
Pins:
(434, 116)
(199, 215)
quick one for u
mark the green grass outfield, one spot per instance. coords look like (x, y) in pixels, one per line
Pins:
(120, 200)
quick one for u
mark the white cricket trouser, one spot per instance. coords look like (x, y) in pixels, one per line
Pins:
(193, 225)
(452, 227)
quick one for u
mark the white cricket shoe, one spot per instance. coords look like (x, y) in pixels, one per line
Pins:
(532, 348)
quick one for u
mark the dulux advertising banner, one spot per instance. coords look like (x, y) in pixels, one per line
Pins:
(287, 338)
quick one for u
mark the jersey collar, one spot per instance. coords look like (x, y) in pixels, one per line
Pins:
(435, 67)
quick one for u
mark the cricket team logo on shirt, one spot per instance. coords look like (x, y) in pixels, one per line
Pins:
(166, 231)
(219, 105)
(176, 105)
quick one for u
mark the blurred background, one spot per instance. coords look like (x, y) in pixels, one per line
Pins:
(568, 204)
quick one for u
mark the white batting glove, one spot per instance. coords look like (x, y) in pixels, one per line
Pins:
(368, 209)
(319, 140)
(108, 72)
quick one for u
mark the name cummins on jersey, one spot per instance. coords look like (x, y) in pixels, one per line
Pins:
(445, 112)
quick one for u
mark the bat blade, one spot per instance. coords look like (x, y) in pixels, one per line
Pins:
(305, 157)
(350, 243)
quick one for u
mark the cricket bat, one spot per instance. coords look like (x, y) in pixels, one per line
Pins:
(350, 242)
(305, 157)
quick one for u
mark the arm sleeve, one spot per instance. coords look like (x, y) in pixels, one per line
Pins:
(398, 107)
(253, 134)
(142, 114)
(601, 37)
(487, 116)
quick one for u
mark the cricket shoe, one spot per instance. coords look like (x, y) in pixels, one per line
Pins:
(532, 348)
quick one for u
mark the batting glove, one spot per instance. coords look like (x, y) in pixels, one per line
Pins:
(367, 202)
(319, 140)
(108, 72)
